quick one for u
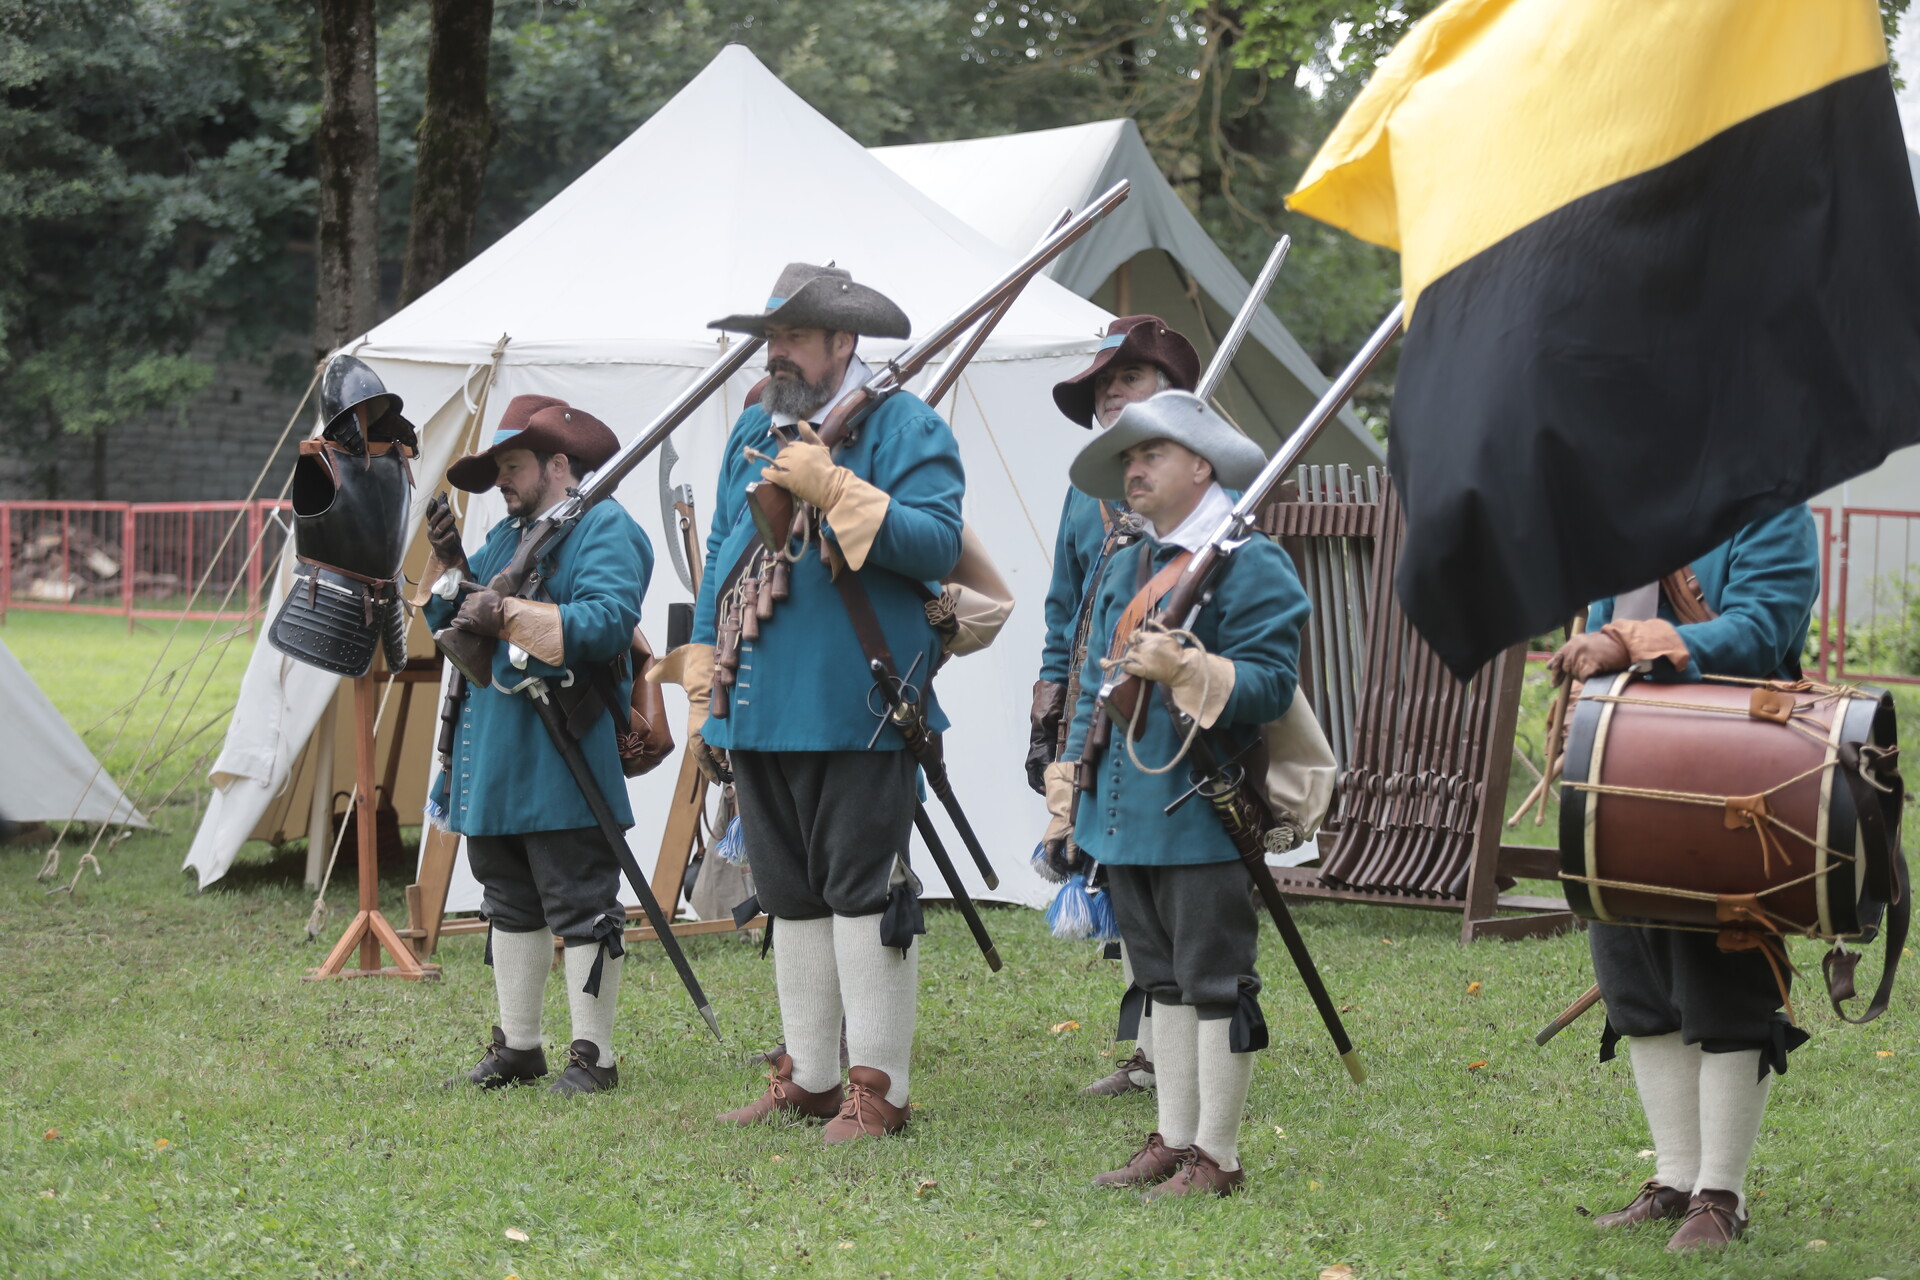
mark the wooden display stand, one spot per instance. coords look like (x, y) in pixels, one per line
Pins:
(1423, 758)
(369, 930)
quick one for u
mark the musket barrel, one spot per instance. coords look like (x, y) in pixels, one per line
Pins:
(1237, 331)
(604, 479)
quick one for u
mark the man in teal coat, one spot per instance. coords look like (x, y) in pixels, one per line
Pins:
(1703, 1027)
(532, 842)
(827, 789)
(1139, 356)
(1180, 895)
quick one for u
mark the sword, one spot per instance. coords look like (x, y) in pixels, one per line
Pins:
(671, 496)
(610, 828)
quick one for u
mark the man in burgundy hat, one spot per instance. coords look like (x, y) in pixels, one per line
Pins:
(1139, 356)
(531, 839)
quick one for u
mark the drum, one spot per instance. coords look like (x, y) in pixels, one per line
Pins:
(1731, 804)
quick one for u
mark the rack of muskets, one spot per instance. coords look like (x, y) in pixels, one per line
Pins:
(1424, 759)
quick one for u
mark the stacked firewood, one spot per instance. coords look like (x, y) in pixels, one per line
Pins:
(65, 567)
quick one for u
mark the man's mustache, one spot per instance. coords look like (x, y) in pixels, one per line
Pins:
(781, 365)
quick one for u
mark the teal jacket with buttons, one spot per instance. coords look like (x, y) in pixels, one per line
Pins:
(1763, 583)
(505, 776)
(804, 685)
(1254, 619)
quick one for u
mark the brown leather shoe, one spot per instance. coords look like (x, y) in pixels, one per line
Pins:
(500, 1066)
(1198, 1172)
(1122, 1081)
(1154, 1162)
(1713, 1221)
(1655, 1201)
(784, 1097)
(582, 1074)
(866, 1113)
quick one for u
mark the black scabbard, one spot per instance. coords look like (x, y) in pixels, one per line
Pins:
(975, 925)
(576, 761)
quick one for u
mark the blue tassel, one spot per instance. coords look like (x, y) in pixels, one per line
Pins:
(730, 848)
(1071, 915)
(1038, 861)
(437, 814)
(1103, 927)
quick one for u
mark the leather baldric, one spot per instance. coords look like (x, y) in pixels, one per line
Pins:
(1144, 600)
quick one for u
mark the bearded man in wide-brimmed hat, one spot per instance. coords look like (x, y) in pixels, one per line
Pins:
(1139, 357)
(1180, 895)
(826, 789)
(532, 841)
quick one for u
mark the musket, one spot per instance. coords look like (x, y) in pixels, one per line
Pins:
(1181, 605)
(471, 653)
(773, 508)
(576, 762)
(950, 373)
(1242, 320)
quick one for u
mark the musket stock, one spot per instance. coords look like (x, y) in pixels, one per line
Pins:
(772, 507)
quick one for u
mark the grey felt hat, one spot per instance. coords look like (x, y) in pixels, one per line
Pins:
(809, 297)
(1179, 416)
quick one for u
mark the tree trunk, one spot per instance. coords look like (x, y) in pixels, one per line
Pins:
(456, 133)
(348, 248)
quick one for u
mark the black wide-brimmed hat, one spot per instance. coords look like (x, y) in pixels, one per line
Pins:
(1142, 338)
(810, 297)
(543, 424)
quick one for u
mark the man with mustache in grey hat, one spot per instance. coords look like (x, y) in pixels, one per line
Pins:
(1139, 356)
(1179, 892)
(826, 790)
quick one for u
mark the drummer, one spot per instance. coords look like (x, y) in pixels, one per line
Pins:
(1704, 1027)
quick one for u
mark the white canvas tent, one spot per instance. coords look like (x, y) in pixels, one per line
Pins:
(1150, 256)
(46, 772)
(604, 294)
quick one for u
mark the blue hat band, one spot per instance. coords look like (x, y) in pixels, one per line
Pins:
(1111, 341)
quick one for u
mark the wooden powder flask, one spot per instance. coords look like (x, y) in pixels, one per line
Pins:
(1731, 806)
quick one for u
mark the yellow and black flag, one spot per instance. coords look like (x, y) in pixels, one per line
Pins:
(1661, 261)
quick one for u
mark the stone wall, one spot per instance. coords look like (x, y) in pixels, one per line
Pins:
(211, 450)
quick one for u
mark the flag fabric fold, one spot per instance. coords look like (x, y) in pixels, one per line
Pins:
(1661, 260)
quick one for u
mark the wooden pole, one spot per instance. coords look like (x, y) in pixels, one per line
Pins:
(370, 931)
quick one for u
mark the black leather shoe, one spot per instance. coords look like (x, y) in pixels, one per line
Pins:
(500, 1066)
(581, 1076)
(1655, 1202)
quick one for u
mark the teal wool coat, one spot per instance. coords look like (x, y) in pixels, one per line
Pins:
(804, 685)
(1255, 620)
(1763, 584)
(1075, 550)
(506, 778)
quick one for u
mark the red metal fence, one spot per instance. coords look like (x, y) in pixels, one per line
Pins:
(140, 559)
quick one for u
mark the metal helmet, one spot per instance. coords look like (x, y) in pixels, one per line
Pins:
(349, 383)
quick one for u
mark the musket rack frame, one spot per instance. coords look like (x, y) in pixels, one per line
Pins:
(1424, 760)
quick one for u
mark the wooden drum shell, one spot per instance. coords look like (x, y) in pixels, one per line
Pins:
(1710, 746)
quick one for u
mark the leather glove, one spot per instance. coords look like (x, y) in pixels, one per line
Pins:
(483, 612)
(1057, 843)
(443, 535)
(1049, 704)
(806, 469)
(1587, 655)
(691, 667)
(1200, 682)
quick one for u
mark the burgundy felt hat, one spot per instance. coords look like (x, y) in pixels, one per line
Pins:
(543, 424)
(1130, 338)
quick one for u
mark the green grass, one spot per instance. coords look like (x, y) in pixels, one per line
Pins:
(91, 668)
(304, 1133)
(177, 1102)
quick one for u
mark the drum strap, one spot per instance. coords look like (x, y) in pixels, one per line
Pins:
(1886, 870)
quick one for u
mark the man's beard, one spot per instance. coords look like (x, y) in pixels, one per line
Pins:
(795, 397)
(526, 504)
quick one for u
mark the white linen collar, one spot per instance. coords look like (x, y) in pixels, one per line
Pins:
(1193, 532)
